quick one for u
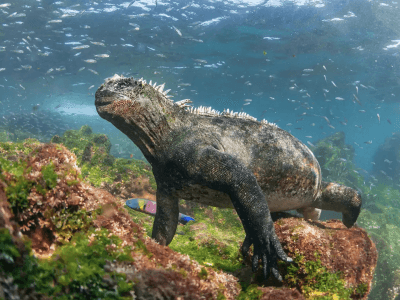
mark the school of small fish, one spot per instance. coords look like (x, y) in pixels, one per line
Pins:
(71, 52)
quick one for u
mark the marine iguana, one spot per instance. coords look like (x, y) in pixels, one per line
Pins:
(225, 160)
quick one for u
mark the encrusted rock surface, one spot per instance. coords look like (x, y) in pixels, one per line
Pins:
(339, 248)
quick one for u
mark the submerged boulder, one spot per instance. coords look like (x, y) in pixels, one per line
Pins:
(330, 259)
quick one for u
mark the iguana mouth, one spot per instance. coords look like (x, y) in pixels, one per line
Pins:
(108, 99)
(103, 102)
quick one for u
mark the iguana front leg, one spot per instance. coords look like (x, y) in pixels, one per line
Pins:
(166, 220)
(223, 172)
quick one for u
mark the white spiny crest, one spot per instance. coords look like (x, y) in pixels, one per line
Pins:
(201, 110)
(184, 103)
(268, 123)
(115, 77)
(161, 87)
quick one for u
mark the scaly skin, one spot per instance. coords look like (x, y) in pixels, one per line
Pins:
(223, 160)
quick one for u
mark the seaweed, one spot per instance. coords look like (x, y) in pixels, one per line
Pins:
(315, 281)
(97, 165)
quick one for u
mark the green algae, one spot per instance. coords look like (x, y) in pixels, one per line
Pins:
(68, 221)
(77, 140)
(18, 187)
(250, 292)
(75, 270)
(212, 245)
(336, 161)
(97, 164)
(315, 281)
(19, 264)
(49, 176)
(14, 170)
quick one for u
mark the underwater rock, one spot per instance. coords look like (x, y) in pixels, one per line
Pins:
(340, 249)
(333, 155)
(323, 248)
(387, 159)
(87, 153)
(86, 145)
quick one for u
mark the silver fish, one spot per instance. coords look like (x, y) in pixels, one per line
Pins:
(356, 98)
(90, 61)
(177, 31)
(81, 47)
(93, 71)
(98, 43)
(102, 55)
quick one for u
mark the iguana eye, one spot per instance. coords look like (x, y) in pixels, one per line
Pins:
(215, 146)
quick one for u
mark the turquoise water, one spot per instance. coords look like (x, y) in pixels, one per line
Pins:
(314, 68)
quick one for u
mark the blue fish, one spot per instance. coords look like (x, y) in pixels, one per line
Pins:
(150, 207)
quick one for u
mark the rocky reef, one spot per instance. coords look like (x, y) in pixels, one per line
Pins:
(387, 159)
(66, 234)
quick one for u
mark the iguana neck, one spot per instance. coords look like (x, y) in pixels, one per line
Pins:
(139, 110)
(145, 127)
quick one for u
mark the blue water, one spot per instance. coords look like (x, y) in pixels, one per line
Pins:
(300, 63)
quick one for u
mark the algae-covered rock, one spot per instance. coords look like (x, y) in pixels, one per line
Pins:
(78, 141)
(86, 244)
(119, 176)
(330, 259)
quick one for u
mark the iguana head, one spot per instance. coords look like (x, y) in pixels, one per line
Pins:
(138, 109)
